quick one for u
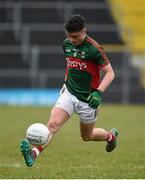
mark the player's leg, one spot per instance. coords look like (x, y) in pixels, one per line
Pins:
(59, 115)
(90, 133)
(57, 118)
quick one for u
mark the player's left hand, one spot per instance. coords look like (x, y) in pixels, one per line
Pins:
(94, 99)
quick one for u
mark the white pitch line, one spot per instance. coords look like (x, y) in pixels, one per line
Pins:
(16, 165)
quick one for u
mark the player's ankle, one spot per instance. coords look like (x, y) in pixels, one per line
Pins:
(110, 137)
(36, 151)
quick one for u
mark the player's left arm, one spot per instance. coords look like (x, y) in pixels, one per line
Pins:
(94, 99)
(108, 77)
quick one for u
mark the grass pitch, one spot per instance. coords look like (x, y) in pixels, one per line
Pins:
(68, 156)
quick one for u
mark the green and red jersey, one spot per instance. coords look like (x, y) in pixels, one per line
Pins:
(84, 63)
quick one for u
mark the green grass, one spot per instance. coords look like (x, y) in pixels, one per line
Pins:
(68, 156)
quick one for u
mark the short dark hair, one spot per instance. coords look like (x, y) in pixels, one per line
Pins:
(75, 23)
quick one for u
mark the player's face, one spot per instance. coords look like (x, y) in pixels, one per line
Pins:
(77, 37)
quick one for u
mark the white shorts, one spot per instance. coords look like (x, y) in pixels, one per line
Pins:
(70, 104)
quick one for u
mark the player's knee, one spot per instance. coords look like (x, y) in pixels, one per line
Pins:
(53, 127)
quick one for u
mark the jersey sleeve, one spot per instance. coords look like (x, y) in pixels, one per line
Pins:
(100, 57)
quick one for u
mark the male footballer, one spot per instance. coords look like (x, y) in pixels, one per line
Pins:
(82, 90)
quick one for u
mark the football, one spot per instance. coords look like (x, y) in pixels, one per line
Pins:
(38, 134)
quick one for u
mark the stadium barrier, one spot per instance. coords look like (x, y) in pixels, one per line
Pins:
(25, 97)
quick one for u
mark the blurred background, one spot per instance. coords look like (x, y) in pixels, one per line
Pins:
(32, 66)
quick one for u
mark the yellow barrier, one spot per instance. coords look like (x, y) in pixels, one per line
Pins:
(130, 15)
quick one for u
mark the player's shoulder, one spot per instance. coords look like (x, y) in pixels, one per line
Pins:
(93, 43)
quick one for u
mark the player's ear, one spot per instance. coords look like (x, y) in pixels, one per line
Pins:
(85, 30)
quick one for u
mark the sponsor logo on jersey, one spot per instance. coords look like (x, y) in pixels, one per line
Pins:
(83, 54)
(76, 64)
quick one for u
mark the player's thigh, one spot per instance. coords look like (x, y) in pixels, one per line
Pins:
(57, 118)
(86, 129)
